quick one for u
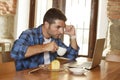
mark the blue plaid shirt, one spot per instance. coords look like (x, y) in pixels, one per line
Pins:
(33, 37)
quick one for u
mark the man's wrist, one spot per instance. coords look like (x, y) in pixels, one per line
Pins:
(73, 37)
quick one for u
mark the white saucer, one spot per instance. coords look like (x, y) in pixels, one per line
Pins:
(77, 71)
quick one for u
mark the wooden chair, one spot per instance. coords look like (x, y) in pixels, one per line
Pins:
(2, 46)
(5, 57)
(0, 58)
(7, 68)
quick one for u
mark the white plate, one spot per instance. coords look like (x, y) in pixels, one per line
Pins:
(77, 71)
(47, 68)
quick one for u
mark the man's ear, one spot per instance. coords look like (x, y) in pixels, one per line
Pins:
(46, 24)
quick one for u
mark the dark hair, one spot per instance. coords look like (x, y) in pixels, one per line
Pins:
(53, 14)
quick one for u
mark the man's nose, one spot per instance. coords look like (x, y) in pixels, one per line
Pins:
(61, 31)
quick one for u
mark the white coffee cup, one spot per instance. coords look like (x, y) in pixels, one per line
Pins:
(61, 51)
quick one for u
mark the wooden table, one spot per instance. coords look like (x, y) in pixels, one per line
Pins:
(106, 71)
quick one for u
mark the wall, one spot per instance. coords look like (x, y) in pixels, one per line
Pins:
(113, 36)
(7, 12)
(14, 18)
(6, 26)
(113, 11)
(7, 7)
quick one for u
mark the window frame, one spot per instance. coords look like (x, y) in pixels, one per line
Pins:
(32, 14)
(93, 27)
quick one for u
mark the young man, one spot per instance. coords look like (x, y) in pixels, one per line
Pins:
(39, 45)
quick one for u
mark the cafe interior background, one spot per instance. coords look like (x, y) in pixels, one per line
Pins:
(92, 19)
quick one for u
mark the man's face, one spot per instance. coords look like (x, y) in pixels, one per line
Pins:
(56, 30)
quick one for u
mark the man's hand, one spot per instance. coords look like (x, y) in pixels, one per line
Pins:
(70, 30)
(37, 49)
(52, 46)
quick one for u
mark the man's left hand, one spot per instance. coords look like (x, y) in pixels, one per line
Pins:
(70, 30)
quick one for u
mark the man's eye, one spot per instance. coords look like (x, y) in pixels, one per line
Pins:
(58, 27)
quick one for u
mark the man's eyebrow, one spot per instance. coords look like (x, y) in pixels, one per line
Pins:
(59, 26)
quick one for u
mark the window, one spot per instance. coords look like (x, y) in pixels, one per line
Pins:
(41, 6)
(78, 14)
